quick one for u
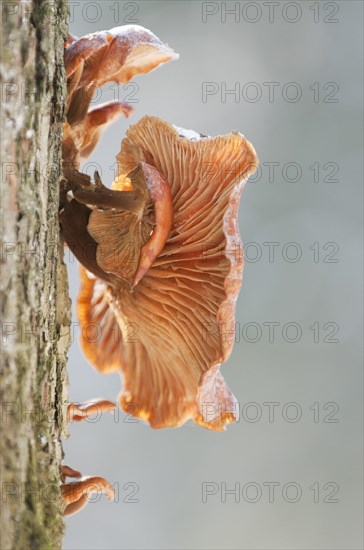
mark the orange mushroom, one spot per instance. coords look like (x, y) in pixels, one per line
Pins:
(75, 494)
(116, 56)
(90, 62)
(160, 251)
(183, 298)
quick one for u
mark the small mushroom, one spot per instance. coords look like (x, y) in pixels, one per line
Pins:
(77, 412)
(183, 300)
(75, 494)
(116, 55)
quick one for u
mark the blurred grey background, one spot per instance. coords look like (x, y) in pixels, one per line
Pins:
(179, 478)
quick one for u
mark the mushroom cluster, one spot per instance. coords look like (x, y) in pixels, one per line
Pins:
(160, 252)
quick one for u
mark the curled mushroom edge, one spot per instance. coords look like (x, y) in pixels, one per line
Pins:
(160, 250)
(215, 273)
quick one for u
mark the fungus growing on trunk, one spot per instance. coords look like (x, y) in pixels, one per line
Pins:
(116, 56)
(75, 493)
(160, 250)
(183, 305)
(90, 62)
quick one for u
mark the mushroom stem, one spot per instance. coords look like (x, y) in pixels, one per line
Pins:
(102, 197)
(78, 413)
(67, 471)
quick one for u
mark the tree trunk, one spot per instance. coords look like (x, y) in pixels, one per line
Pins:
(34, 288)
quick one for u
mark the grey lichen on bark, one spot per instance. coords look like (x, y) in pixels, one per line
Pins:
(34, 287)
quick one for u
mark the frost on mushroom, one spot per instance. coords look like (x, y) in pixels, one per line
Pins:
(177, 323)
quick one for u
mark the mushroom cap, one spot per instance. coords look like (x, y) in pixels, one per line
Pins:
(178, 323)
(116, 55)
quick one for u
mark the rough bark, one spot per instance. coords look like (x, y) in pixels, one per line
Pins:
(34, 287)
